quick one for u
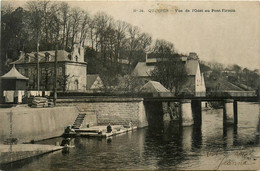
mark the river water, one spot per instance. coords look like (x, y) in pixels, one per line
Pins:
(161, 146)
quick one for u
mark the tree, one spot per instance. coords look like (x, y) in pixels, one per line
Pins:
(76, 17)
(133, 41)
(163, 47)
(120, 28)
(130, 84)
(171, 74)
(65, 10)
(237, 69)
(64, 81)
(36, 18)
(13, 34)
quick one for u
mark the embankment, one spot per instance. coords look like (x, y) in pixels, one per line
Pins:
(35, 123)
(23, 151)
(29, 124)
(114, 110)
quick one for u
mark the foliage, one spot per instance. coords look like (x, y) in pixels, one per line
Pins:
(64, 81)
(241, 77)
(171, 73)
(107, 42)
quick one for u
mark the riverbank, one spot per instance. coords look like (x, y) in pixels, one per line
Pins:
(14, 153)
(32, 124)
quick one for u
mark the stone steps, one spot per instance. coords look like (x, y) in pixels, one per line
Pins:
(79, 120)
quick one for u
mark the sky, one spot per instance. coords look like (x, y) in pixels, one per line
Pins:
(228, 37)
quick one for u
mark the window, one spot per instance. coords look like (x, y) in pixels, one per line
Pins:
(60, 71)
(47, 56)
(29, 72)
(69, 56)
(26, 58)
(76, 84)
(26, 71)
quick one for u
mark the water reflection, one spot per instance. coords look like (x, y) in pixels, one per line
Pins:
(228, 135)
(163, 145)
(109, 140)
(196, 137)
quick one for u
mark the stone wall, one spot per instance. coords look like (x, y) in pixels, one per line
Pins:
(35, 123)
(114, 110)
(42, 123)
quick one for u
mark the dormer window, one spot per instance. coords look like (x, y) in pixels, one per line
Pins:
(35, 55)
(47, 56)
(26, 57)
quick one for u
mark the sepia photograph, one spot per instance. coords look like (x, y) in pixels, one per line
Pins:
(129, 85)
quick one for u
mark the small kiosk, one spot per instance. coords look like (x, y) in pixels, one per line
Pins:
(14, 86)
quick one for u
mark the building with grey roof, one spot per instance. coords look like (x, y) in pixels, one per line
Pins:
(71, 69)
(94, 82)
(194, 85)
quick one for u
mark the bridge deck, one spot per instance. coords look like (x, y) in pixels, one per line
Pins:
(176, 99)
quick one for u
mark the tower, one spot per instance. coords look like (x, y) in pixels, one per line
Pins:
(77, 53)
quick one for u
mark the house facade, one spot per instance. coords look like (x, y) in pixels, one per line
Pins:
(94, 82)
(71, 69)
(195, 83)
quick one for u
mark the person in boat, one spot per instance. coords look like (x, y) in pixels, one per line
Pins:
(130, 124)
(109, 128)
(65, 142)
(68, 130)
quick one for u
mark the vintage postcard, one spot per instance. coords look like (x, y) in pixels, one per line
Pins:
(130, 85)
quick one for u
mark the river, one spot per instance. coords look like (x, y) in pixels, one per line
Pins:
(163, 146)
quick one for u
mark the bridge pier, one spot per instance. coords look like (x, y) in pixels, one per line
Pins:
(235, 112)
(196, 111)
(186, 118)
(230, 112)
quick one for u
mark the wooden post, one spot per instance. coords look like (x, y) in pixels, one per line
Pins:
(55, 78)
(38, 66)
(55, 67)
(235, 112)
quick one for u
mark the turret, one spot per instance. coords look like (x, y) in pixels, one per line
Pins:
(77, 53)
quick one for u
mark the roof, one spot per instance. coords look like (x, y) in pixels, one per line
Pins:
(61, 56)
(14, 74)
(154, 86)
(143, 70)
(91, 78)
(221, 85)
(191, 67)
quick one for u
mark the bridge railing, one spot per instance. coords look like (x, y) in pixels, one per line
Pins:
(241, 93)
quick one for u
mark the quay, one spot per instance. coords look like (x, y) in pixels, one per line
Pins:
(100, 131)
(14, 153)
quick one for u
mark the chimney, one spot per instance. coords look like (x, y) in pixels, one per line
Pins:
(193, 55)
